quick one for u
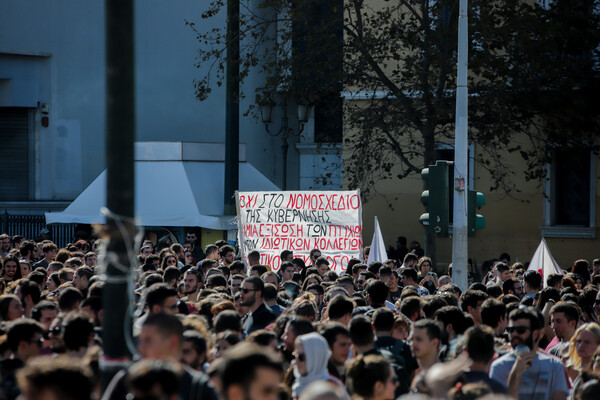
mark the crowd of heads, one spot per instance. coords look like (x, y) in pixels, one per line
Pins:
(209, 324)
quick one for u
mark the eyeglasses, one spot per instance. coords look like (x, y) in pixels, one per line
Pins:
(300, 357)
(246, 290)
(57, 330)
(519, 329)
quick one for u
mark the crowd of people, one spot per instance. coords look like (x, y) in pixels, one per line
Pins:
(209, 326)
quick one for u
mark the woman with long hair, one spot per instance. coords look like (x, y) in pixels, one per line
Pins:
(582, 347)
(10, 308)
(169, 260)
(371, 378)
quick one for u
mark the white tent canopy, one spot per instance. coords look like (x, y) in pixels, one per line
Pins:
(168, 193)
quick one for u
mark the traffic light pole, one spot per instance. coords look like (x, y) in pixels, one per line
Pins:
(461, 172)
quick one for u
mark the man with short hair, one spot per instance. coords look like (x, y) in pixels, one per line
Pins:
(410, 261)
(533, 283)
(192, 284)
(161, 338)
(322, 265)
(212, 252)
(44, 312)
(193, 350)
(563, 319)
(383, 324)
(408, 277)
(146, 250)
(27, 251)
(78, 334)
(529, 373)
(171, 276)
(259, 315)
(338, 339)
(29, 293)
(161, 298)
(49, 251)
(69, 299)
(66, 275)
(287, 271)
(339, 309)
(236, 283)
(493, 314)
(227, 254)
(90, 259)
(270, 277)
(425, 340)
(192, 238)
(286, 255)
(25, 340)
(479, 343)
(260, 382)
(81, 279)
(55, 378)
(513, 286)
(270, 299)
(471, 302)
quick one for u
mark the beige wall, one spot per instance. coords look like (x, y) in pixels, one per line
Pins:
(512, 221)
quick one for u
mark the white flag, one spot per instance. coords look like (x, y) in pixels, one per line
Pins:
(377, 252)
(543, 262)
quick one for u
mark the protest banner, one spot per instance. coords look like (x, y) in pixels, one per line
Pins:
(271, 222)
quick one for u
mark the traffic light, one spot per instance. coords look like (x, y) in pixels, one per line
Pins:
(475, 221)
(436, 199)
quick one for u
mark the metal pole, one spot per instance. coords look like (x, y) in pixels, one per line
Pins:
(120, 230)
(232, 123)
(461, 172)
(284, 151)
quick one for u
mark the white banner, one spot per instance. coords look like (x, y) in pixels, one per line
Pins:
(271, 222)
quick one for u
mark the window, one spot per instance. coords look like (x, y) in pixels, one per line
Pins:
(15, 154)
(570, 189)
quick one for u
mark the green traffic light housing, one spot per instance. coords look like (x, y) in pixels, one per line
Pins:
(475, 221)
(436, 199)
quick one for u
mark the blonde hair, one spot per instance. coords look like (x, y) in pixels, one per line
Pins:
(574, 360)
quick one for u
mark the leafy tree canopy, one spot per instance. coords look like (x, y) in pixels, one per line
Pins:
(533, 76)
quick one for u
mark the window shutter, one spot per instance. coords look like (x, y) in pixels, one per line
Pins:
(14, 137)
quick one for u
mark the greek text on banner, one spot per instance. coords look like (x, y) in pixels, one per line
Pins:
(271, 222)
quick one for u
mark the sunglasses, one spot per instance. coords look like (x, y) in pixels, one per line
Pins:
(300, 357)
(519, 329)
(57, 330)
(246, 290)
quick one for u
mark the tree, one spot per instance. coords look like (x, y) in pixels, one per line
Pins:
(533, 74)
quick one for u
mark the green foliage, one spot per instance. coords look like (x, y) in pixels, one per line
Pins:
(533, 77)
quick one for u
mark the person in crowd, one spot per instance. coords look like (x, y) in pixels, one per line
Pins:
(339, 342)
(25, 340)
(582, 347)
(371, 377)
(310, 363)
(564, 318)
(11, 308)
(528, 372)
(259, 314)
(479, 344)
(238, 382)
(54, 379)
